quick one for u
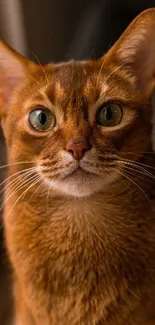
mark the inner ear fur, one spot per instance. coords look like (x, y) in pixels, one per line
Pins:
(13, 70)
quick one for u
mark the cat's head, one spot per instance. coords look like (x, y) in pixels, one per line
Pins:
(75, 121)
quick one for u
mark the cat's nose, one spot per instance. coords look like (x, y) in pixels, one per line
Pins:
(78, 148)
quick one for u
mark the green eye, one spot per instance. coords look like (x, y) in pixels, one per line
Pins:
(109, 115)
(42, 119)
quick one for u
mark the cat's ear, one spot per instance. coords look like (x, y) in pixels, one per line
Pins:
(134, 52)
(13, 70)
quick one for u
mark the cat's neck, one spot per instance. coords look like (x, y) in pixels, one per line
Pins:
(123, 201)
(126, 200)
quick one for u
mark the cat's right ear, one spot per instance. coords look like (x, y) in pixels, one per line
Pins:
(134, 53)
(13, 71)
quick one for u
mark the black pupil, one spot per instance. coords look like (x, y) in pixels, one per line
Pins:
(108, 113)
(42, 118)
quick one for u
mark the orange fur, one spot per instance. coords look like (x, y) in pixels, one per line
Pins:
(82, 241)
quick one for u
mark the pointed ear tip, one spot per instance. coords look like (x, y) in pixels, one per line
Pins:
(149, 10)
(147, 13)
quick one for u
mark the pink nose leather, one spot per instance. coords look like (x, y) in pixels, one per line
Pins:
(77, 148)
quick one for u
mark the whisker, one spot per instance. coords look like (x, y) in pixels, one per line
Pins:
(136, 154)
(32, 195)
(142, 176)
(107, 78)
(135, 185)
(25, 183)
(22, 173)
(28, 170)
(32, 184)
(138, 168)
(40, 66)
(139, 152)
(102, 65)
(38, 83)
(17, 163)
(136, 162)
(34, 178)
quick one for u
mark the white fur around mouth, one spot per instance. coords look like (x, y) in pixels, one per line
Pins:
(78, 172)
(78, 183)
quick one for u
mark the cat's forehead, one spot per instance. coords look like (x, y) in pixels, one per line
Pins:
(74, 71)
(73, 81)
(76, 85)
(86, 80)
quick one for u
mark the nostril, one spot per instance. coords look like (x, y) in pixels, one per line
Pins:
(83, 151)
(88, 147)
(71, 151)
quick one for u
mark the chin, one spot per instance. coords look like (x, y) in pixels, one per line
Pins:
(78, 184)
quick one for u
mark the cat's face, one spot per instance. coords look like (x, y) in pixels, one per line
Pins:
(77, 122)
(74, 125)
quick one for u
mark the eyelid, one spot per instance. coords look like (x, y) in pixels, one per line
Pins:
(35, 106)
(108, 101)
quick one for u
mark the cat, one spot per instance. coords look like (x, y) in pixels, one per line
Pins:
(79, 200)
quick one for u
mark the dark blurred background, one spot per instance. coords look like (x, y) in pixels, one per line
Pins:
(57, 30)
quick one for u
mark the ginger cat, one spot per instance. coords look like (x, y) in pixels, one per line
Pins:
(79, 202)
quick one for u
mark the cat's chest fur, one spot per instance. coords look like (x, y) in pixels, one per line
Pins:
(83, 262)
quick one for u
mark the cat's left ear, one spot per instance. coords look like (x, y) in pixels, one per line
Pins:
(13, 71)
(134, 52)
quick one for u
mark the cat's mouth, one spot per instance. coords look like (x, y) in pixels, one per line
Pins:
(78, 172)
(78, 180)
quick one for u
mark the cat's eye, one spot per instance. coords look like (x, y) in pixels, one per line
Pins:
(109, 115)
(42, 119)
